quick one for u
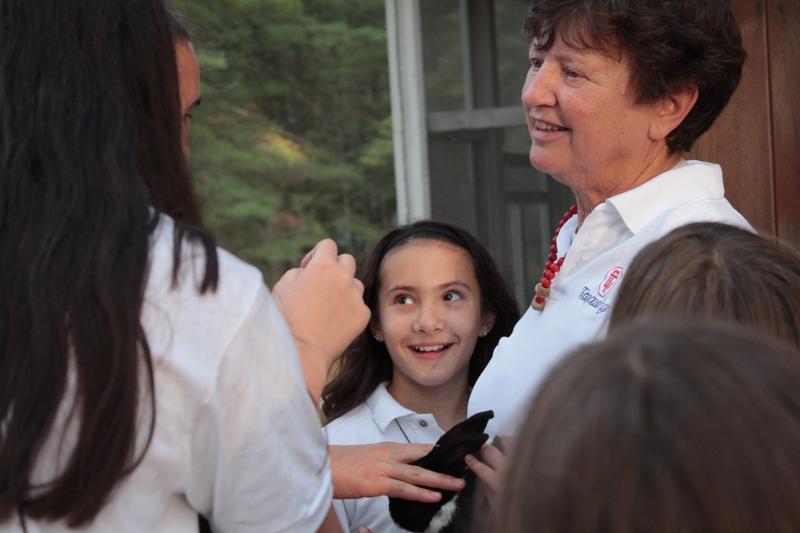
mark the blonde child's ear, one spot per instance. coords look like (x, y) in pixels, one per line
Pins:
(487, 323)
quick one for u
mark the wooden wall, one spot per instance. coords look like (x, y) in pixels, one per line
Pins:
(757, 137)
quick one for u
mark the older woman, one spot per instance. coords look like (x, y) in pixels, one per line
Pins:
(616, 93)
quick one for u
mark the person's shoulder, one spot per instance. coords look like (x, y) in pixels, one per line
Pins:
(705, 210)
(356, 426)
(354, 416)
(692, 192)
(237, 279)
(181, 320)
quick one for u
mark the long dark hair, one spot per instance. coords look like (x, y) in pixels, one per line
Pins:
(90, 155)
(714, 271)
(662, 428)
(367, 363)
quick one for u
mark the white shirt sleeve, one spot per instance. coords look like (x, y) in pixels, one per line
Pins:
(258, 458)
(345, 512)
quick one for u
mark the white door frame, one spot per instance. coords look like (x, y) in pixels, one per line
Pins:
(406, 71)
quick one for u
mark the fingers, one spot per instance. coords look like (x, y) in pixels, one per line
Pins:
(421, 477)
(491, 472)
(485, 473)
(348, 263)
(307, 257)
(494, 457)
(406, 453)
(327, 249)
(359, 287)
(380, 469)
(415, 476)
(407, 491)
(324, 249)
(310, 255)
(289, 275)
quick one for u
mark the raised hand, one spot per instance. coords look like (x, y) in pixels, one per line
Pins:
(323, 305)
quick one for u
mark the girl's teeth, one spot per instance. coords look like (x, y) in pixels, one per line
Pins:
(429, 348)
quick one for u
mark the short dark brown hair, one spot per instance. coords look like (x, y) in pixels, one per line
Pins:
(672, 44)
(662, 428)
(715, 271)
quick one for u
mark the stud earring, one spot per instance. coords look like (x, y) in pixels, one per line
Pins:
(378, 338)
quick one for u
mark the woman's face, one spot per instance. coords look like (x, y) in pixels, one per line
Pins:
(188, 86)
(586, 128)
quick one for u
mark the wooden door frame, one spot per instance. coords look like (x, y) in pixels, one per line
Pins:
(757, 137)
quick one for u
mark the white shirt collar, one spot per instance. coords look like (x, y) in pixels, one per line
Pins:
(685, 182)
(385, 409)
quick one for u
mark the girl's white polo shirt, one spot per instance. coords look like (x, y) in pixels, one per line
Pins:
(379, 419)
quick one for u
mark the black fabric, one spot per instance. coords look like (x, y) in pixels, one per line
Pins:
(447, 457)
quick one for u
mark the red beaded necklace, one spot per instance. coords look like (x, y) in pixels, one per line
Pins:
(542, 290)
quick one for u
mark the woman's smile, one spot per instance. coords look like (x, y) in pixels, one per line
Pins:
(547, 126)
(542, 131)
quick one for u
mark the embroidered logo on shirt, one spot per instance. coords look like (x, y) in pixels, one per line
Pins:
(611, 278)
(589, 298)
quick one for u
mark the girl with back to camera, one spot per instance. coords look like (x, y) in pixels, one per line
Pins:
(145, 375)
(670, 427)
(439, 306)
(714, 271)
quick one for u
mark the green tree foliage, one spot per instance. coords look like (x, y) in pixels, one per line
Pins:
(292, 142)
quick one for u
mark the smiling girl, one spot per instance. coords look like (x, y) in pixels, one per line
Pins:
(439, 307)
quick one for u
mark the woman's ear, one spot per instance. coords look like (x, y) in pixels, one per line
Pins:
(487, 323)
(671, 110)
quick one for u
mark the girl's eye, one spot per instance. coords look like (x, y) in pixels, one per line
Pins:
(536, 62)
(404, 299)
(452, 296)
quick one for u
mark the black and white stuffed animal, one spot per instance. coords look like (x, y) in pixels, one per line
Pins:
(453, 512)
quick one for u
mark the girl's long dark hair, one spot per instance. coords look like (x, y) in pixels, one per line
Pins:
(367, 363)
(90, 155)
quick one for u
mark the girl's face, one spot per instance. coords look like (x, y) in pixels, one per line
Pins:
(429, 308)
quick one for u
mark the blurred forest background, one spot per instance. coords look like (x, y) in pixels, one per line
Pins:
(293, 140)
